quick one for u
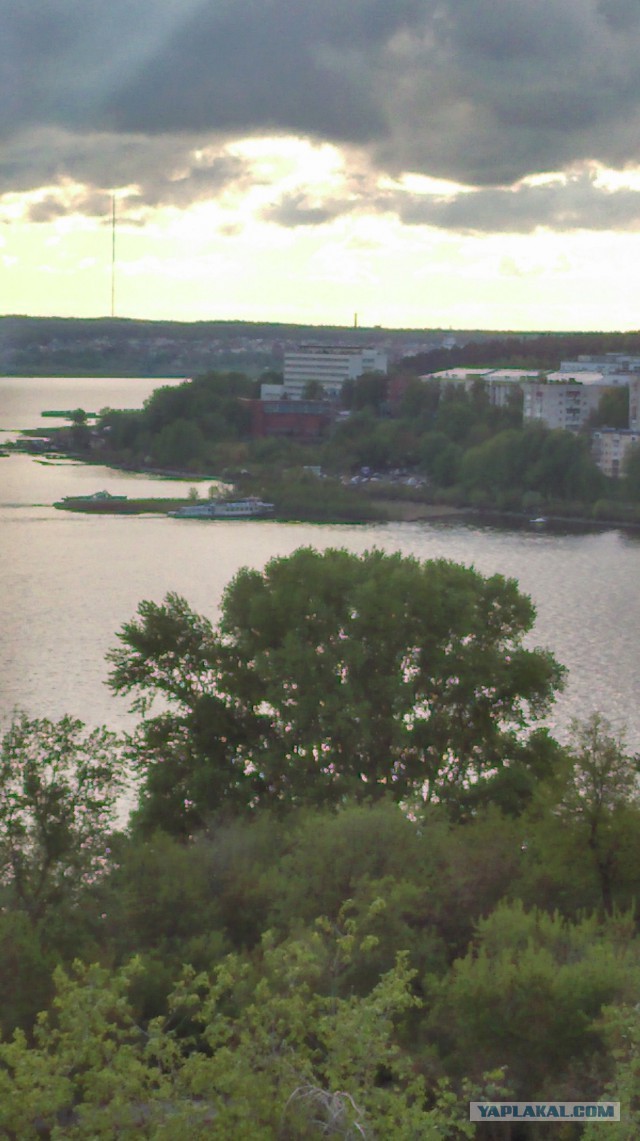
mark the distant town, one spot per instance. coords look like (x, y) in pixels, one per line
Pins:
(59, 346)
(544, 424)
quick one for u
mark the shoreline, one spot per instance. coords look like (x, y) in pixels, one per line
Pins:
(387, 509)
(391, 512)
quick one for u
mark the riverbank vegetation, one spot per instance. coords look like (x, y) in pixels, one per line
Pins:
(360, 883)
(112, 506)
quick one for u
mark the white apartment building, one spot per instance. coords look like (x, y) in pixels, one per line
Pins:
(330, 366)
(565, 406)
(577, 376)
(610, 447)
(634, 405)
(499, 383)
(615, 368)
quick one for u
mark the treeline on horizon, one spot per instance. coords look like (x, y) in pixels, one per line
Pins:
(359, 886)
(124, 346)
(542, 351)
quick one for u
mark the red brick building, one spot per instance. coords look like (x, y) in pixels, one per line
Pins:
(296, 419)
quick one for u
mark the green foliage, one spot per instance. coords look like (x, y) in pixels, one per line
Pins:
(440, 458)
(191, 753)
(552, 463)
(258, 1050)
(613, 410)
(420, 402)
(362, 854)
(366, 391)
(179, 444)
(382, 674)
(632, 473)
(335, 677)
(579, 833)
(58, 788)
(26, 965)
(527, 996)
(456, 415)
(299, 494)
(620, 1026)
(602, 796)
(180, 425)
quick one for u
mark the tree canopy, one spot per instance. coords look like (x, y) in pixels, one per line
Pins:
(360, 972)
(58, 786)
(335, 677)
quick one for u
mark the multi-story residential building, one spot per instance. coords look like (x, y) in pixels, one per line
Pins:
(330, 366)
(565, 406)
(614, 368)
(499, 383)
(634, 405)
(610, 447)
(580, 376)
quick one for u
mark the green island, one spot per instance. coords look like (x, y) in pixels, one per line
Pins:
(149, 506)
(394, 447)
(332, 504)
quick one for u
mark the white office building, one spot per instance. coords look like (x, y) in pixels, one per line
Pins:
(330, 366)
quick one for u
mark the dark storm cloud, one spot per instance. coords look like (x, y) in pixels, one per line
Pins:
(478, 91)
(577, 204)
(160, 170)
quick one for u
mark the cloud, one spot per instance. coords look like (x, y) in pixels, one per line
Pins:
(298, 209)
(578, 202)
(481, 92)
(156, 170)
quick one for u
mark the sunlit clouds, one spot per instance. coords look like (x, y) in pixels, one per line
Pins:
(424, 163)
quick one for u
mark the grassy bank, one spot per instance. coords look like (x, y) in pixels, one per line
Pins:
(123, 506)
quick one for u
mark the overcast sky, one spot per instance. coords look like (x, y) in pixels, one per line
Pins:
(422, 162)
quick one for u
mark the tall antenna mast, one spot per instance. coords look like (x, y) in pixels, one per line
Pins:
(113, 255)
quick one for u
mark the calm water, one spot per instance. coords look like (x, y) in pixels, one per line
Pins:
(23, 399)
(68, 582)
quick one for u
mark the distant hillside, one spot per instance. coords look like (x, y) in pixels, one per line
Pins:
(536, 352)
(116, 347)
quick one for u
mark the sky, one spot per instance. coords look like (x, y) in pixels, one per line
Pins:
(422, 163)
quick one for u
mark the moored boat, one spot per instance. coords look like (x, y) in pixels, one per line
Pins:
(97, 497)
(250, 508)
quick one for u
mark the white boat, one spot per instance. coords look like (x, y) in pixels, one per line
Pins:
(250, 508)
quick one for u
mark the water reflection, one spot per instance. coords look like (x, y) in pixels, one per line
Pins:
(68, 582)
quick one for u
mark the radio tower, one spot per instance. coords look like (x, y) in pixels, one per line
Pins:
(113, 255)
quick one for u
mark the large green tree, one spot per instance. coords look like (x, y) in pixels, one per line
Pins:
(601, 799)
(333, 677)
(58, 790)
